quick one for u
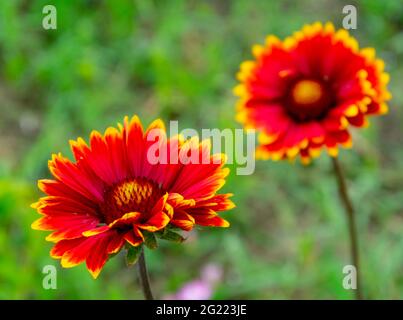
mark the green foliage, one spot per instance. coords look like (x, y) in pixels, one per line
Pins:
(177, 60)
(150, 240)
(170, 235)
(133, 254)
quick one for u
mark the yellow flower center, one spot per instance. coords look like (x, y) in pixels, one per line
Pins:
(307, 92)
(308, 100)
(135, 195)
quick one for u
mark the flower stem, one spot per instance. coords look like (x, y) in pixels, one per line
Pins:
(349, 209)
(144, 279)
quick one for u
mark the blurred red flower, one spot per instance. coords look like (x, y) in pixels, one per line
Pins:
(305, 92)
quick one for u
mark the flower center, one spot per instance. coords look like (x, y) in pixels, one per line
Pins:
(135, 195)
(308, 100)
(307, 92)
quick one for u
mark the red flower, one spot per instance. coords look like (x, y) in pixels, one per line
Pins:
(111, 195)
(304, 93)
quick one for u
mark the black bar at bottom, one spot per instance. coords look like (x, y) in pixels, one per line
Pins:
(220, 309)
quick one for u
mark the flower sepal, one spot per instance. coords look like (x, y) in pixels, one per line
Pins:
(133, 254)
(150, 240)
(170, 235)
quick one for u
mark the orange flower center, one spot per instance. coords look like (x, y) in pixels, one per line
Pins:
(308, 100)
(135, 195)
(307, 92)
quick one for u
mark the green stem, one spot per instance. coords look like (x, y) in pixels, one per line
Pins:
(352, 228)
(144, 279)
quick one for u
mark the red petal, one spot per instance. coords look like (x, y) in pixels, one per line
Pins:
(54, 205)
(177, 201)
(156, 152)
(159, 206)
(158, 222)
(219, 202)
(107, 156)
(60, 248)
(211, 221)
(134, 145)
(67, 226)
(115, 244)
(56, 188)
(95, 231)
(127, 219)
(98, 256)
(76, 178)
(183, 220)
(92, 249)
(134, 237)
(199, 180)
(207, 217)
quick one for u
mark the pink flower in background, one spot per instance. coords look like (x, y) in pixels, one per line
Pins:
(195, 290)
(212, 273)
(201, 288)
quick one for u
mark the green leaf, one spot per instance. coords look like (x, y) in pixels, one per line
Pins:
(150, 240)
(172, 236)
(133, 254)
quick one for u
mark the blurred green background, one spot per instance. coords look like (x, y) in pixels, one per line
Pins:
(177, 60)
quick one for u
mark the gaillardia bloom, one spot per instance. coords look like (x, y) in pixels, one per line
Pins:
(112, 195)
(303, 93)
